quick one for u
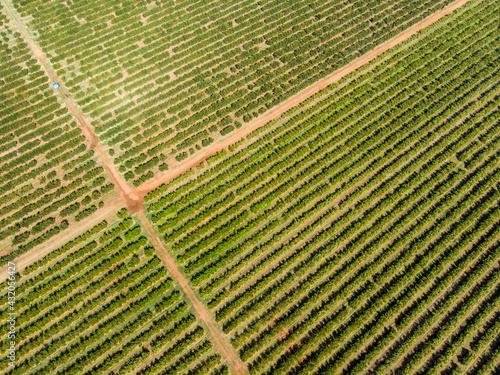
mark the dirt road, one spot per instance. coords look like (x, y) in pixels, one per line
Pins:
(73, 231)
(132, 197)
(295, 100)
(222, 345)
(133, 202)
(129, 196)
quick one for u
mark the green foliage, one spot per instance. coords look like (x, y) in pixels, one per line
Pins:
(85, 213)
(100, 299)
(132, 233)
(227, 130)
(181, 156)
(359, 231)
(149, 251)
(203, 79)
(39, 145)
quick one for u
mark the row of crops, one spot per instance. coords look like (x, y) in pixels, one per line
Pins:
(49, 178)
(161, 80)
(362, 231)
(105, 304)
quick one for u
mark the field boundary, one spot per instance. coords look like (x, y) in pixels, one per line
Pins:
(297, 99)
(222, 345)
(130, 199)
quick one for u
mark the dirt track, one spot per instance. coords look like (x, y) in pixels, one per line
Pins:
(221, 343)
(133, 197)
(295, 100)
(70, 233)
(128, 194)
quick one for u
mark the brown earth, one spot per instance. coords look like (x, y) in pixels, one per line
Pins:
(74, 230)
(295, 100)
(128, 194)
(221, 343)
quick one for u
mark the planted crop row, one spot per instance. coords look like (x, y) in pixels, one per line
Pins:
(104, 303)
(371, 214)
(192, 72)
(49, 177)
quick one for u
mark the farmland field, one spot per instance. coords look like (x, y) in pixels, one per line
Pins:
(49, 177)
(249, 187)
(362, 231)
(160, 80)
(104, 303)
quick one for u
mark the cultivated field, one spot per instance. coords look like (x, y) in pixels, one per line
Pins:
(250, 187)
(104, 303)
(161, 80)
(49, 177)
(363, 230)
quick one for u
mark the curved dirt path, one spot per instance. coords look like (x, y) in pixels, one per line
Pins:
(222, 345)
(128, 194)
(295, 100)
